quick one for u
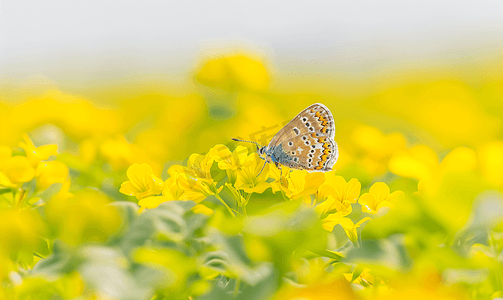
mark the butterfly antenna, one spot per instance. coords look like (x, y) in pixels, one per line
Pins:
(257, 144)
(261, 169)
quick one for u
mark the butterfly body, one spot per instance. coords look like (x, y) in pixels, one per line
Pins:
(306, 142)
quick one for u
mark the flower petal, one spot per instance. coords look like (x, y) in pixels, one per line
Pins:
(153, 201)
(395, 196)
(127, 188)
(202, 209)
(46, 151)
(380, 191)
(353, 190)
(5, 181)
(139, 176)
(50, 172)
(368, 203)
(258, 188)
(5, 153)
(19, 169)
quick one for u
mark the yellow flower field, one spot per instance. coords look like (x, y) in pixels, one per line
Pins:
(147, 197)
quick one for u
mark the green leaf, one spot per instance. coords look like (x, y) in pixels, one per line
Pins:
(5, 190)
(165, 222)
(60, 262)
(389, 253)
(357, 271)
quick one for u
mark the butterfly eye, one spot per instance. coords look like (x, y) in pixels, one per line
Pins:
(312, 151)
(293, 152)
(304, 120)
(311, 129)
(307, 143)
(295, 159)
(310, 155)
(308, 124)
(290, 143)
(313, 146)
(310, 160)
(296, 130)
(304, 138)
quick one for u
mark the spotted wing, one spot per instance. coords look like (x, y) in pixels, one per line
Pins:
(316, 119)
(310, 152)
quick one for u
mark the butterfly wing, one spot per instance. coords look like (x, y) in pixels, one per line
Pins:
(307, 141)
(317, 118)
(310, 152)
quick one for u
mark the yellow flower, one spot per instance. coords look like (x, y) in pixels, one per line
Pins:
(202, 209)
(491, 161)
(332, 205)
(19, 229)
(302, 184)
(378, 197)
(237, 194)
(198, 167)
(247, 178)
(230, 161)
(280, 177)
(50, 172)
(349, 227)
(37, 154)
(16, 170)
(418, 162)
(337, 187)
(142, 182)
(85, 217)
(5, 153)
(152, 202)
(378, 145)
(194, 188)
(119, 153)
(234, 72)
(170, 191)
(64, 193)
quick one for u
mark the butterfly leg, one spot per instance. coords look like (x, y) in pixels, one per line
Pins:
(278, 165)
(282, 180)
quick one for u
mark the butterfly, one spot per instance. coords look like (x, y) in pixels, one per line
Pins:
(305, 143)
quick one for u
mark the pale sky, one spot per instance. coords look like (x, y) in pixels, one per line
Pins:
(99, 39)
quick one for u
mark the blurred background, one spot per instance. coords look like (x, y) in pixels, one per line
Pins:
(179, 77)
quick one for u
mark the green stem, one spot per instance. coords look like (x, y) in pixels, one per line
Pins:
(246, 203)
(20, 196)
(225, 204)
(499, 273)
(236, 288)
(244, 211)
